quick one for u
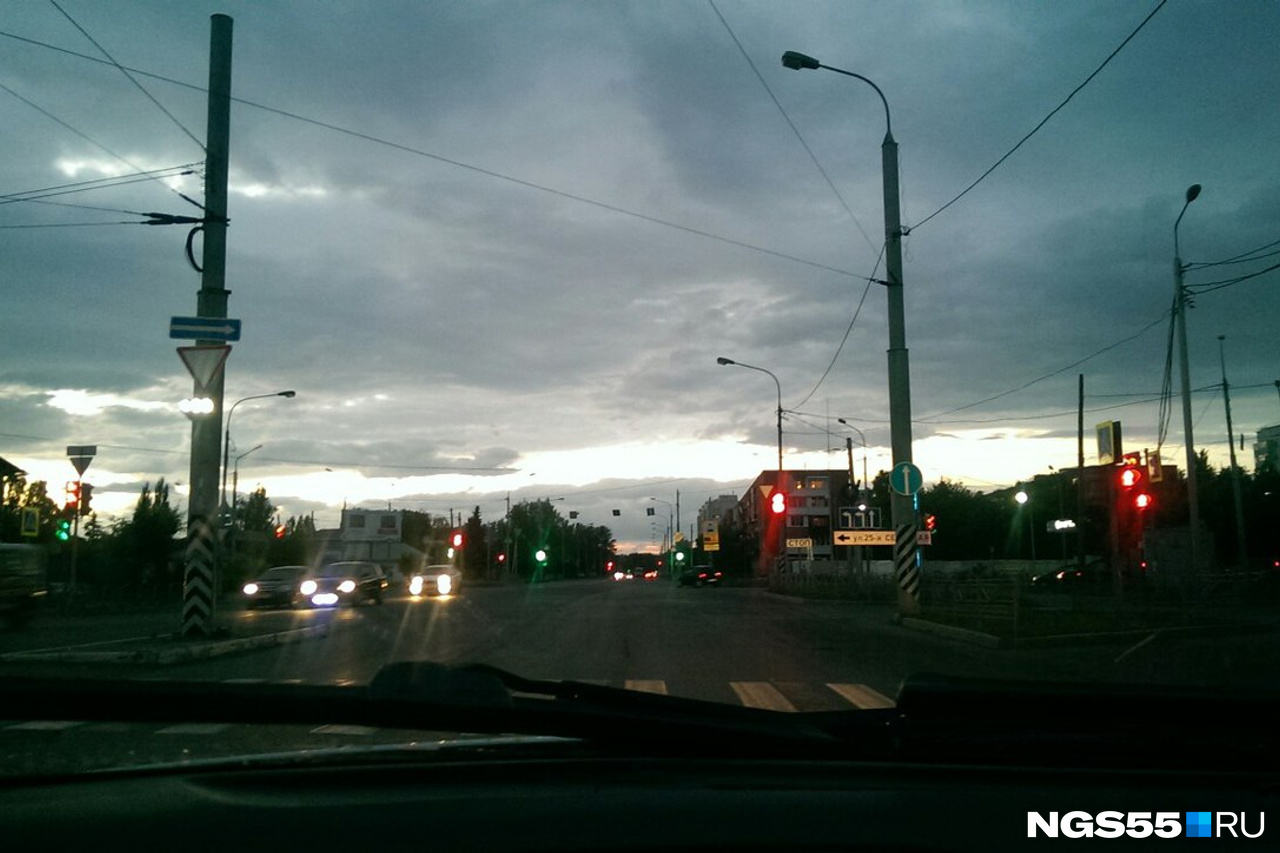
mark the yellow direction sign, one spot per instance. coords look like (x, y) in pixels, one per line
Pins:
(863, 537)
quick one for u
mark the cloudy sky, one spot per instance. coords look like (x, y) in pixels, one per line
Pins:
(496, 247)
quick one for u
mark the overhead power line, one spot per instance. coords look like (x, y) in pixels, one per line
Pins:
(130, 77)
(418, 152)
(1045, 120)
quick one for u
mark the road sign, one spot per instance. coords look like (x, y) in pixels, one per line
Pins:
(205, 328)
(863, 537)
(924, 537)
(799, 543)
(81, 455)
(203, 363)
(905, 478)
(30, 521)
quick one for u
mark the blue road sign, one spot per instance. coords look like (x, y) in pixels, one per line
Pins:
(905, 478)
(205, 328)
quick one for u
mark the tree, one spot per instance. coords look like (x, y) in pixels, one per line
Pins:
(475, 547)
(145, 543)
(20, 495)
(257, 513)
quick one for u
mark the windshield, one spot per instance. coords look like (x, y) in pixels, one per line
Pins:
(761, 354)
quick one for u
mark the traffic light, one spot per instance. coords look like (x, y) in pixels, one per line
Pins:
(280, 531)
(456, 539)
(63, 531)
(778, 503)
(1131, 480)
(86, 498)
(930, 522)
(541, 556)
(72, 502)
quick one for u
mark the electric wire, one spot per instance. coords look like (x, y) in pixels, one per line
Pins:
(1045, 120)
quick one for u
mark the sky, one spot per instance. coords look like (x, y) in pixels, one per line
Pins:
(496, 248)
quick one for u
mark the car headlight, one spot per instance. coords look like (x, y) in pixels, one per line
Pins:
(444, 583)
(347, 586)
(250, 588)
(415, 585)
(308, 587)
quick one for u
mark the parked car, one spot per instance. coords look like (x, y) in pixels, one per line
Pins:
(435, 580)
(278, 586)
(347, 582)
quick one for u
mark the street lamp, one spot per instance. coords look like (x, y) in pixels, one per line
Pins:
(226, 441)
(902, 506)
(782, 537)
(235, 480)
(866, 484)
(1024, 499)
(1180, 309)
(671, 535)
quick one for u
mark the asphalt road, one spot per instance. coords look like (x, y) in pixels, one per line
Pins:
(743, 646)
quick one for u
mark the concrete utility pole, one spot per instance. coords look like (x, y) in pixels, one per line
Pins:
(902, 506)
(1242, 551)
(1180, 308)
(198, 590)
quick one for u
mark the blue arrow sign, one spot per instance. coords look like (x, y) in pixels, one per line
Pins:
(905, 478)
(205, 328)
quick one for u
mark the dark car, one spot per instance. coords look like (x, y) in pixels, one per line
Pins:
(699, 576)
(22, 582)
(348, 582)
(278, 586)
(1091, 575)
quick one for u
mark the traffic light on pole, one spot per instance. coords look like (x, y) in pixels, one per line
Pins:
(778, 503)
(456, 539)
(72, 502)
(1131, 480)
(280, 531)
(86, 498)
(930, 522)
(63, 531)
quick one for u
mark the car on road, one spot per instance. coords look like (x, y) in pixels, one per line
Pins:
(346, 582)
(23, 583)
(435, 580)
(278, 586)
(700, 576)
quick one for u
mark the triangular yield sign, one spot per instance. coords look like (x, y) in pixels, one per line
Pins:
(81, 463)
(203, 363)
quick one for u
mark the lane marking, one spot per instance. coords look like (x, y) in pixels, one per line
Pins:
(646, 685)
(862, 696)
(761, 694)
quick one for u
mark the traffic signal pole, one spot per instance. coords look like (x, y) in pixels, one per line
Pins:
(198, 587)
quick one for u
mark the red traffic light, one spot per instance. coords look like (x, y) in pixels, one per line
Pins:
(1143, 501)
(72, 503)
(456, 539)
(778, 503)
(280, 531)
(930, 522)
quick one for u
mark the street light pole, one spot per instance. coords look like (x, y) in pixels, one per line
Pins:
(905, 552)
(780, 485)
(1180, 308)
(226, 439)
(235, 480)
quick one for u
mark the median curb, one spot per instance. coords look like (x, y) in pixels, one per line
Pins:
(990, 641)
(170, 650)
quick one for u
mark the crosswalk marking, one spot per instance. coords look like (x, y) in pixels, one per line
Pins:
(194, 729)
(862, 696)
(761, 694)
(45, 725)
(343, 730)
(646, 685)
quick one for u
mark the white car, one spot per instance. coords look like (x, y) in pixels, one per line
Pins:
(435, 580)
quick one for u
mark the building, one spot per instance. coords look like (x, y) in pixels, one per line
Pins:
(1266, 450)
(815, 501)
(388, 537)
